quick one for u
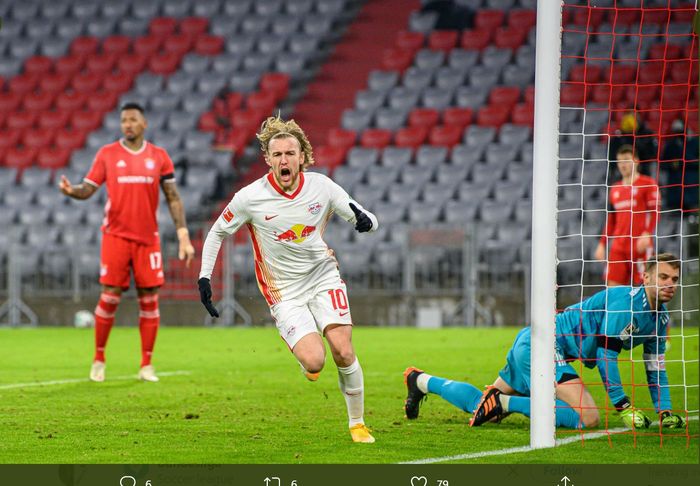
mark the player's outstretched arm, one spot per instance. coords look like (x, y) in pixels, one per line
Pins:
(177, 211)
(77, 191)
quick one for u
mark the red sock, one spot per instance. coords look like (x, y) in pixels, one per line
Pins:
(149, 319)
(104, 318)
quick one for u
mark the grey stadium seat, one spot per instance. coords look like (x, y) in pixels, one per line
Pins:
(494, 211)
(224, 25)
(382, 80)
(452, 174)
(473, 97)
(356, 120)
(470, 191)
(418, 78)
(389, 213)
(176, 8)
(35, 178)
(400, 193)
(467, 155)
(486, 173)
(54, 46)
(495, 57)
(403, 98)
(362, 157)
(438, 98)
(428, 156)
(413, 174)
(368, 196)
(450, 78)
(347, 176)
(381, 176)
(460, 211)
(369, 100)
(429, 59)
(439, 193)
(462, 59)
(396, 156)
(54, 10)
(390, 118)
(423, 212)
(133, 26)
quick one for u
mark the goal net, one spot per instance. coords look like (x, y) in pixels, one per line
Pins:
(629, 92)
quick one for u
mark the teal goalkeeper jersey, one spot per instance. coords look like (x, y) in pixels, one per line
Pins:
(598, 329)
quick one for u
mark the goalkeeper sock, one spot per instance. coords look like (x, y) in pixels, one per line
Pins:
(104, 319)
(149, 319)
(462, 395)
(565, 416)
(351, 383)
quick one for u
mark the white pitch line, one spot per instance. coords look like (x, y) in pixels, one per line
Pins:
(80, 380)
(515, 450)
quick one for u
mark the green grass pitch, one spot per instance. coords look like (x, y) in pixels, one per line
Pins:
(244, 400)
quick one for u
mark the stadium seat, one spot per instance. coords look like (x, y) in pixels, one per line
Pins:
(19, 158)
(424, 117)
(328, 157)
(85, 45)
(337, 137)
(362, 157)
(509, 37)
(493, 116)
(165, 63)
(390, 119)
(52, 120)
(36, 138)
(9, 101)
(375, 138)
(489, 19)
(21, 120)
(402, 98)
(395, 59)
(476, 40)
(86, 82)
(445, 135)
(148, 45)
(382, 80)
(70, 139)
(70, 101)
(411, 137)
(38, 65)
(437, 98)
(460, 117)
(573, 94)
(409, 40)
(23, 83)
(523, 114)
(53, 157)
(209, 45)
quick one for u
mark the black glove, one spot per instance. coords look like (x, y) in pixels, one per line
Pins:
(363, 223)
(205, 296)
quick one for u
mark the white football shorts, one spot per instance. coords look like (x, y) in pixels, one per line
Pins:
(295, 318)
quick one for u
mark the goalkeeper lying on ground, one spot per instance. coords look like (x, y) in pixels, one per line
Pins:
(594, 331)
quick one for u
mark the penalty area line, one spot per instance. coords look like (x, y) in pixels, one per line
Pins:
(81, 380)
(515, 450)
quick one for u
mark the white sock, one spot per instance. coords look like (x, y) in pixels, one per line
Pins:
(351, 382)
(505, 400)
(422, 382)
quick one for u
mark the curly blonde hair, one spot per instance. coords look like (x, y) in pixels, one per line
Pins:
(274, 127)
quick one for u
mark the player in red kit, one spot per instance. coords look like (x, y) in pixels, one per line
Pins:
(133, 170)
(634, 209)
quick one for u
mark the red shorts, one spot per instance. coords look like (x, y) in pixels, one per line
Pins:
(624, 268)
(120, 255)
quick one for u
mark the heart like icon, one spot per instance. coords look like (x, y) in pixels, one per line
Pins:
(419, 481)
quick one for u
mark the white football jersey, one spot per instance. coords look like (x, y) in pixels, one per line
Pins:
(286, 230)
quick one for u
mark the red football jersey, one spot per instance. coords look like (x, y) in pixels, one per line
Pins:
(133, 182)
(633, 210)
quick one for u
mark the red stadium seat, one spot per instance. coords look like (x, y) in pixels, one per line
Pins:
(443, 40)
(475, 39)
(86, 120)
(194, 26)
(338, 137)
(329, 157)
(375, 138)
(54, 83)
(116, 44)
(102, 101)
(489, 19)
(178, 43)
(509, 37)
(23, 83)
(117, 82)
(607, 94)
(395, 59)
(262, 100)
(248, 119)
(660, 121)
(70, 64)
(585, 73)
(9, 137)
(522, 18)
(36, 138)
(413, 41)
(38, 101)
(642, 95)
(445, 135)
(162, 26)
(627, 16)
(20, 157)
(590, 17)
(572, 94)
(424, 117)
(665, 51)
(53, 120)
(132, 64)
(147, 45)
(234, 101)
(70, 101)
(70, 139)
(412, 137)
(684, 14)
(655, 16)
(524, 114)
(530, 95)
(277, 83)
(86, 82)
(237, 140)
(675, 97)
(21, 120)
(38, 65)
(620, 73)
(85, 45)
(101, 63)
(683, 71)
(209, 45)
(460, 117)
(650, 72)
(9, 101)
(208, 122)
(53, 157)
(492, 116)
(504, 95)
(165, 63)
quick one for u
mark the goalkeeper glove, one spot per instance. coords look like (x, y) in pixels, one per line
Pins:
(363, 223)
(670, 421)
(205, 296)
(632, 417)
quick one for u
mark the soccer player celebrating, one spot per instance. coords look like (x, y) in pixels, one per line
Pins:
(133, 169)
(634, 206)
(594, 331)
(286, 212)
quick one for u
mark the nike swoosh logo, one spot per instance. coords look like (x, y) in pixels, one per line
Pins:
(268, 218)
(342, 314)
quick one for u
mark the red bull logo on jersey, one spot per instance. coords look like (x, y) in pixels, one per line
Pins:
(296, 234)
(227, 215)
(315, 208)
